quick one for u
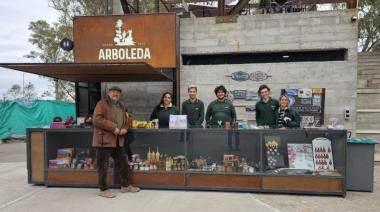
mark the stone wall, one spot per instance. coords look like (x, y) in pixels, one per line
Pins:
(276, 32)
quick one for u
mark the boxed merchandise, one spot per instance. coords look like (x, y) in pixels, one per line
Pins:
(66, 152)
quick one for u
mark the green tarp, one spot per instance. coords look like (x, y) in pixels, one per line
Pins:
(16, 117)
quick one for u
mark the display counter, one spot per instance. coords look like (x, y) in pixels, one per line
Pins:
(308, 161)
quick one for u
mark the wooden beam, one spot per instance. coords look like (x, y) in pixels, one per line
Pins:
(221, 6)
(157, 6)
(238, 7)
(166, 6)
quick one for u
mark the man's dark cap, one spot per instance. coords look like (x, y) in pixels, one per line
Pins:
(115, 88)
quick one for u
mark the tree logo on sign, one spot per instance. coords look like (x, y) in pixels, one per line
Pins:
(122, 37)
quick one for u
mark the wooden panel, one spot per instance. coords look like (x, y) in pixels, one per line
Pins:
(302, 183)
(223, 181)
(150, 178)
(37, 157)
(147, 38)
(76, 177)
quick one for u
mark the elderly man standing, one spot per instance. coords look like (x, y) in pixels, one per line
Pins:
(110, 127)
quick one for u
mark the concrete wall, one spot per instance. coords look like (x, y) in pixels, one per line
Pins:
(140, 97)
(368, 105)
(276, 32)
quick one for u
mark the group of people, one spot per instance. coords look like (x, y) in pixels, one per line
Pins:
(111, 124)
(221, 112)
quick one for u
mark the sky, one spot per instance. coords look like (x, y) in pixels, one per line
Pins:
(15, 17)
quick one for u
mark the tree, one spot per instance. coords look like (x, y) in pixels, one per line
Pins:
(15, 91)
(46, 94)
(46, 37)
(30, 92)
(369, 26)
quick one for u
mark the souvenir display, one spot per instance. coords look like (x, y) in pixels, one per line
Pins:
(156, 161)
(80, 158)
(323, 155)
(275, 159)
(231, 163)
(310, 104)
(145, 124)
(300, 156)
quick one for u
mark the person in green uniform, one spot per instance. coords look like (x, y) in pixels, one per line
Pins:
(163, 110)
(193, 108)
(220, 110)
(266, 108)
(286, 116)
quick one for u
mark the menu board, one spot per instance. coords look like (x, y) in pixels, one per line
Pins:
(309, 102)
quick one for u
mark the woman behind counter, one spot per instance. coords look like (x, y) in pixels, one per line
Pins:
(163, 110)
(287, 117)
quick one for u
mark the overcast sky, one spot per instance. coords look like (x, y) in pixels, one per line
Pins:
(15, 17)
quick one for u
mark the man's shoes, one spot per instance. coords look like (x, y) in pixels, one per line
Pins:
(107, 193)
(130, 188)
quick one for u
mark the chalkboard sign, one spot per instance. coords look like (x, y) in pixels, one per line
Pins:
(309, 102)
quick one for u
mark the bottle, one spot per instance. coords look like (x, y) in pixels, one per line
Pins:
(153, 157)
(167, 164)
(157, 155)
(148, 155)
(163, 162)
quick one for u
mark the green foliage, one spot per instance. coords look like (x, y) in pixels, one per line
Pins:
(15, 91)
(30, 92)
(46, 37)
(369, 26)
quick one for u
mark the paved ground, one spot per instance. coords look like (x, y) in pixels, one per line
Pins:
(17, 195)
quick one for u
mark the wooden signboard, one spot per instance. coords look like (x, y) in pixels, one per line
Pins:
(149, 38)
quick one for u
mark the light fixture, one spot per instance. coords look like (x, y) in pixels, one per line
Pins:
(354, 18)
(66, 44)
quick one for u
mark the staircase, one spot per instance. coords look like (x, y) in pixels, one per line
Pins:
(368, 99)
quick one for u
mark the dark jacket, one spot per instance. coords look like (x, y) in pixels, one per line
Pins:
(266, 113)
(195, 112)
(104, 120)
(293, 115)
(221, 111)
(163, 115)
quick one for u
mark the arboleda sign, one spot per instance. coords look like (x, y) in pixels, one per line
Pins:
(149, 38)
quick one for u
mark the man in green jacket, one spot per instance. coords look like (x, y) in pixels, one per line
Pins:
(193, 108)
(266, 108)
(220, 110)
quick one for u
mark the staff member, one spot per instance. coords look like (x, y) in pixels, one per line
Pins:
(110, 127)
(266, 108)
(287, 117)
(163, 110)
(220, 110)
(193, 108)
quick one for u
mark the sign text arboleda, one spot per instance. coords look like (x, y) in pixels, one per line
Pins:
(134, 38)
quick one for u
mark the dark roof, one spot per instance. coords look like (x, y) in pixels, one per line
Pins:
(94, 72)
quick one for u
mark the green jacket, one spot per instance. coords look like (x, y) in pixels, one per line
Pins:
(220, 111)
(266, 114)
(163, 115)
(295, 117)
(195, 113)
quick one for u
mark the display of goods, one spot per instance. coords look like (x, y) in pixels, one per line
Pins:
(300, 156)
(323, 154)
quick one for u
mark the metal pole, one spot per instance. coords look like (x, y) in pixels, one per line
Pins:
(23, 85)
(105, 3)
